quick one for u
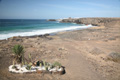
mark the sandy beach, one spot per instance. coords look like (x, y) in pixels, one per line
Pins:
(85, 54)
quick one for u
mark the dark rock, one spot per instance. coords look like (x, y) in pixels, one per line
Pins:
(51, 20)
(40, 35)
(46, 34)
(114, 56)
(95, 24)
(32, 36)
(112, 39)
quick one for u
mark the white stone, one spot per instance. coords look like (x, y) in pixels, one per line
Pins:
(60, 69)
(53, 70)
(20, 69)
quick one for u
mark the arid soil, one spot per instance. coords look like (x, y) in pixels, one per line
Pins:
(85, 54)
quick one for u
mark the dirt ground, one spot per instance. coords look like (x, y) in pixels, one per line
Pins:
(83, 53)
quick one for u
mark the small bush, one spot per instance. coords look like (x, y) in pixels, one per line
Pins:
(114, 57)
(29, 66)
(18, 52)
(96, 51)
(57, 64)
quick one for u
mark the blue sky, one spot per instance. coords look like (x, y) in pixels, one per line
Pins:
(46, 9)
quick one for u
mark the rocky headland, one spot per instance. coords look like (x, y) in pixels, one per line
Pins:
(88, 54)
(93, 21)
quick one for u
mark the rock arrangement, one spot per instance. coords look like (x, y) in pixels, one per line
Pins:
(27, 66)
(38, 67)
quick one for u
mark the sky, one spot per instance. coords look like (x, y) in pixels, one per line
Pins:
(55, 9)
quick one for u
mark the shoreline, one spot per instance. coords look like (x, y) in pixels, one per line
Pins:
(86, 21)
(94, 49)
(52, 32)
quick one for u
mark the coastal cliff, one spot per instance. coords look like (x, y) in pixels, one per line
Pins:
(93, 21)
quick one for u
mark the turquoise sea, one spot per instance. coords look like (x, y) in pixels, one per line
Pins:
(30, 27)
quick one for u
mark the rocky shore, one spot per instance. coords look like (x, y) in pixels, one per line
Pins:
(89, 54)
(51, 20)
(93, 21)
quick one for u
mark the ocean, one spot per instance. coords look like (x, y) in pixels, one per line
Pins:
(30, 27)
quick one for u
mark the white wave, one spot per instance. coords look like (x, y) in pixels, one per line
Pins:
(41, 32)
(74, 23)
(57, 22)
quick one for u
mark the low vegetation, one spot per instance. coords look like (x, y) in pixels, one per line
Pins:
(18, 52)
(20, 65)
(114, 57)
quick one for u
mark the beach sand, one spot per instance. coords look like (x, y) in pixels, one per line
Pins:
(84, 53)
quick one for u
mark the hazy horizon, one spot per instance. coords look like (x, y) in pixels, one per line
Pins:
(55, 9)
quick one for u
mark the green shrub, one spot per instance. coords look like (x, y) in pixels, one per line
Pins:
(40, 64)
(44, 63)
(18, 51)
(55, 64)
(29, 66)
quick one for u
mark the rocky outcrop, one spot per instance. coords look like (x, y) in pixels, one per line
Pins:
(93, 21)
(51, 20)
